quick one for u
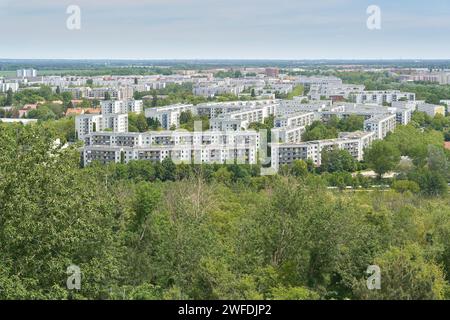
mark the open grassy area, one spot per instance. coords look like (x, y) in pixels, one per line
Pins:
(7, 73)
(298, 91)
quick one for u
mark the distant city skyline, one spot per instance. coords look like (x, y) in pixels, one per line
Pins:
(219, 29)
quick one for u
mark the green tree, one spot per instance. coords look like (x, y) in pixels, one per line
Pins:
(169, 170)
(431, 183)
(153, 124)
(299, 168)
(147, 197)
(9, 97)
(318, 131)
(337, 160)
(41, 113)
(437, 160)
(405, 186)
(382, 157)
(223, 175)
(296, 293)
(154, 99)
(66, 97)
(351, 123)
(186, 117)
(52, 216)
(138, 122)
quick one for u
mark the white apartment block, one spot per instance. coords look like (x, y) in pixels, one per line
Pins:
(320, 91)
(77, 92)
(298, 119)
(403, 114)
(402, 110)
(441, 77)
(240, 120)
(213, 89)
(114, 117)
(26, 73)
(381, 125)
(380, 97)
(157, 85)
(353, 142)
(297, 105)
(4, 87)
(168, 116)
(312, 81)
(121, 106)
(280, 88)
(88, 123)
(287, 134)
(63, 82)
(249, 83)
(214, 109)
(180, 146)
(431, 109)
(343, 111)
(123, 93)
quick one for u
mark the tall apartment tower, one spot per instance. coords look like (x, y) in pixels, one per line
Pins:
(26, 73)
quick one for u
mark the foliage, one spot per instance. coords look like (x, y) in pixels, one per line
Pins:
(183, 231)
(319, 131)
(137, 122)
(405, 186)
(382, 157)
(52, 216)
(187, 121)
(406, 275)
(336, 160)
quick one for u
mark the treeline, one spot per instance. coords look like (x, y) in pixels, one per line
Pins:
(114, 71)
(167, 170)
(197, 238)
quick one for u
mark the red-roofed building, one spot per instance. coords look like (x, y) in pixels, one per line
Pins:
(272, 72)
(26, 108)
(74, 111)
(92, 110)
(79, 111)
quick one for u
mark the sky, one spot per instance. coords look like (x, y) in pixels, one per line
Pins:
(225, 29)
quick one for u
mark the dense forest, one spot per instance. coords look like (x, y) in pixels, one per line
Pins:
(143, 231)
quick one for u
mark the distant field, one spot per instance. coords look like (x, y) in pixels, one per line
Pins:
(61, 72)
(7, 73)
